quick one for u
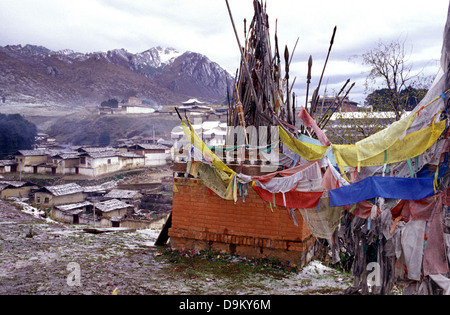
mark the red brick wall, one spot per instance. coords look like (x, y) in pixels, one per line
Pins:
(203, 216)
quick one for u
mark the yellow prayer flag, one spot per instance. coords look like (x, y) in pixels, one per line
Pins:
(412, 145)
(310, 152)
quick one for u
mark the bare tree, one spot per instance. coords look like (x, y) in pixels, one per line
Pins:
(388, 63)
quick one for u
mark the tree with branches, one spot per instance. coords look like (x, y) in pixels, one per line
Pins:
(389, 67)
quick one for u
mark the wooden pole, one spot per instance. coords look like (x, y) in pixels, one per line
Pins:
(295, 47)
(323, 118)
(288, 97)
(247, 70)
(308, 80)
(316, 92)
(340, 104)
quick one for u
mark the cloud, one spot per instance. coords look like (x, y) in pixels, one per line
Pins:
(204, 26)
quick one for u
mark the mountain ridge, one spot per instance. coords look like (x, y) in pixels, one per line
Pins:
(165, 76)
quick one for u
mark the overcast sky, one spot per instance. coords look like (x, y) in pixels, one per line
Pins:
(204, 26)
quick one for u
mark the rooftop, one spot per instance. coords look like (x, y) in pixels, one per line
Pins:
(66, 156)
(101, 187)
(64, 190)
(147, 146)
(129, 155)
(15, 184)
(122, 194)
(101, 154)
(95, 149)
(111, 205)
(7, 162)
(193, 101)
(74, 206)
(32, 152)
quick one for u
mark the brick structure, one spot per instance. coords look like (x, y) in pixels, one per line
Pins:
(202, 220)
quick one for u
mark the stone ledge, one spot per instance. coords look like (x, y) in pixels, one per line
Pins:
(242, 240)
(297, 253)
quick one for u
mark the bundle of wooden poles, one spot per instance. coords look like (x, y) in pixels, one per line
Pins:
(262, 94)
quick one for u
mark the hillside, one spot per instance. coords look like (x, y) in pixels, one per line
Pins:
(85, 129)
(37, 75)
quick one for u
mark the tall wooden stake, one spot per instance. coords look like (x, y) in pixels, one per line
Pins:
(247, 70)
(316, 92)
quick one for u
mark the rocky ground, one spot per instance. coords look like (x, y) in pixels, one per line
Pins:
(42, 257)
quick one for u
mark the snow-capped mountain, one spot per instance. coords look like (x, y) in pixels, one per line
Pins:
(163, 75)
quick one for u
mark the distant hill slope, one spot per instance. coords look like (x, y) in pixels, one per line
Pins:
(86, 129)
(35, 74)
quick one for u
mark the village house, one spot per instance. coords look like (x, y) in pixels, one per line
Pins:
(65, 163)
(86, 161)
(98, 161)
(98, 191)
(133, 101)
(155, 154)
(134, 105)
(131, 197)
(193, 102)
(112, 211)
(124, 195)
(8, 166)
(50, 196)
(137, 109)
(149, 140)
(10, 189)
(131, 160)
(130, 106)
(28, 161)
(71, 213)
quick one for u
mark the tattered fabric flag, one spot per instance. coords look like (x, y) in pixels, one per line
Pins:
(364, 209)
(412, 241)
(378, 143)
(308, 121)
(435, 256)
(219, 176)
(412, 145)
(216, 180)
(305, 177)
(324, 221)
(309, 152)
(416, 210)
(384, 187)
(207, 153)
(293, 199)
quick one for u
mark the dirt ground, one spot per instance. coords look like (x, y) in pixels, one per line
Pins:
(42, 257)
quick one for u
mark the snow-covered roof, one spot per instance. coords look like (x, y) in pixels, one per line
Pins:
(111, 205)
(66, 155)
(73, 206)
(122, 194)
(129, 155)
(101, 154)
(147, 146)
(193, 101)
(15, 184)
(7, 162)
(64, 190)
(101, 187)
(96, 149)
(32, 152)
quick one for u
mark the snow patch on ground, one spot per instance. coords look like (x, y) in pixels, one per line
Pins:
(129, 262)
